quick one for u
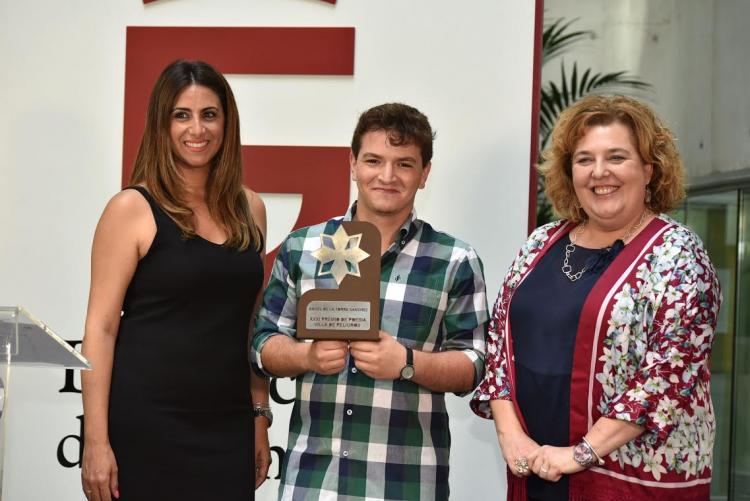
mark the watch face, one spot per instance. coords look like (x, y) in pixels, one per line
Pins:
(407, 372)
(583, 456)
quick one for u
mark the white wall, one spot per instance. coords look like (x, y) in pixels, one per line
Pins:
(731, 74)
(468, 66)
(693, 53)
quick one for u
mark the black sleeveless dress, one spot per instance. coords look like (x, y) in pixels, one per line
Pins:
(180, 411)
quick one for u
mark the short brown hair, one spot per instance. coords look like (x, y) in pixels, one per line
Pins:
(651, 137)
(404, 125)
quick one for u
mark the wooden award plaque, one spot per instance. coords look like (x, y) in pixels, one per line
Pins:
(352, 311)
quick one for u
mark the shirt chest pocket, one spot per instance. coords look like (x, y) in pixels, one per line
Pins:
(416, 302)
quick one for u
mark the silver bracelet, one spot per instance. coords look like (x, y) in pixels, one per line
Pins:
(585, 455)
(264, 411)
(598, 459)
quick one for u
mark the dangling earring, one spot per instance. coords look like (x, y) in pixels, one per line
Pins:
(647, 198)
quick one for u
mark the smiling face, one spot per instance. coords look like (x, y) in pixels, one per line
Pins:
(609, 177)
(387, 176)
(196, 127)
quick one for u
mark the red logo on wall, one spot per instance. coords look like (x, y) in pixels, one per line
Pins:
(266, 51)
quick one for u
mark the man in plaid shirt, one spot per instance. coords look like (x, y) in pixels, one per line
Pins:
(369, 419)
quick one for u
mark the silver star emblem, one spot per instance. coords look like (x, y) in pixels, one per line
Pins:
(341, 249)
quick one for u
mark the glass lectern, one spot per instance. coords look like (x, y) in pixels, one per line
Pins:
(25, 341)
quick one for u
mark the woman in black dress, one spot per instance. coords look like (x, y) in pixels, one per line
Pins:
(176, 272)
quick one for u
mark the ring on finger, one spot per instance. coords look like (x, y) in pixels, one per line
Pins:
(522, 465)
(543, 472)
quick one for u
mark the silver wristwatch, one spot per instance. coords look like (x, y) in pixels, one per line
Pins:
(263, 410)
(585, 455)
(407, 371)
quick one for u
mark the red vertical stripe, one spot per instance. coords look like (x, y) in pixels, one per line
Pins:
(535, 98)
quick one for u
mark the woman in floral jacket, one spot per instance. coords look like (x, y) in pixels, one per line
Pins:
(597, 368)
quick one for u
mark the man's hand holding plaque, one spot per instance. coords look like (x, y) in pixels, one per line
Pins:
(327, 356)
(351, 256)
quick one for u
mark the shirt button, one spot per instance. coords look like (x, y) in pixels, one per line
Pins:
(354, 370)
(348, 412)
(345, 454)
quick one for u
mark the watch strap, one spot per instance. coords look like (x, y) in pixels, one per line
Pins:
(407, 371)
(262, 410)
(584, 454)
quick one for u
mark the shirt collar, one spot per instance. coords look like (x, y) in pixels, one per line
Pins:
(405, 233)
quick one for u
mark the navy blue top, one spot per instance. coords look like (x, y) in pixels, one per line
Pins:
(544, 315)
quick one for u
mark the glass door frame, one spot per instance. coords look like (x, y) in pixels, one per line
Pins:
(739, 187)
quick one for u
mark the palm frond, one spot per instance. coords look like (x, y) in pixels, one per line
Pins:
(555, 98)
(556, 38)
(617, 79)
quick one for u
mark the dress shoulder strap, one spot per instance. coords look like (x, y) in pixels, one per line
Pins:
(143, 191)
(160, 217)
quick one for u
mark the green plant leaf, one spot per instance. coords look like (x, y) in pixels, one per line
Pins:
(556, 97)
(556, 38)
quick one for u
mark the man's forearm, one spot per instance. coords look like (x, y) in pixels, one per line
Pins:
(284, 356)
(446, 371)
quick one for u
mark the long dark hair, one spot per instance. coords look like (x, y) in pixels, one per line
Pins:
(155, 165)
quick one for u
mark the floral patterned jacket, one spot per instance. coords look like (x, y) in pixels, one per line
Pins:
(641, 355)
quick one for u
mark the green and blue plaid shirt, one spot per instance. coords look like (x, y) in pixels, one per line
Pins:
(353, 437)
